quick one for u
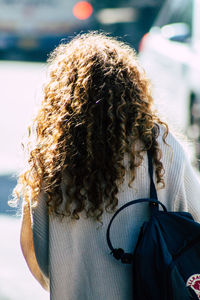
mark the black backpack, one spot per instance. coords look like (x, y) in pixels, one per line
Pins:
(166, 260)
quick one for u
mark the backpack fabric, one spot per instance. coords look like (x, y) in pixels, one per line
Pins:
(166, 259)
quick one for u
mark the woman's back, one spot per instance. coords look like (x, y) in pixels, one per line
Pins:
(92, 132)
(80, 264)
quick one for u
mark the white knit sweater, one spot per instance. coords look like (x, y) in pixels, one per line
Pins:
(81, 267)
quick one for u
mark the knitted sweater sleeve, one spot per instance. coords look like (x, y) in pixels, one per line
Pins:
(188, 196)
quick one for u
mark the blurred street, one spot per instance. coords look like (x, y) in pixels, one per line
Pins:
(16, 281)
(20, 93)
(21, 84)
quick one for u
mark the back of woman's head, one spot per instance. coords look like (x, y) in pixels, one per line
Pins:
(96, 107)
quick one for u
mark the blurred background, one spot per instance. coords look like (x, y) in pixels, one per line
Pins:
(166, 35)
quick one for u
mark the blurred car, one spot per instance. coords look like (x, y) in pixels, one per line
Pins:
(170, 53)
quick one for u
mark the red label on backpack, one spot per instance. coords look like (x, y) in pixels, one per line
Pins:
(194, 283)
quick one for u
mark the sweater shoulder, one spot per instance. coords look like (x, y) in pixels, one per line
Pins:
(174, 149)
(174, 160)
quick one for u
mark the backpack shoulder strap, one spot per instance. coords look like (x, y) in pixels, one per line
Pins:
(153, 192)
(154, 203)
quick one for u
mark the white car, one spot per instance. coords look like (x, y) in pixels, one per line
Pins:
(170, 53)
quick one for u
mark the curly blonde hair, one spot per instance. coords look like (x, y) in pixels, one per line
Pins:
(97, 104)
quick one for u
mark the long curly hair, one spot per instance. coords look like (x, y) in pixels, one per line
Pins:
(97, 105)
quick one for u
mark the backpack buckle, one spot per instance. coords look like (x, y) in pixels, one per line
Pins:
(119, 254)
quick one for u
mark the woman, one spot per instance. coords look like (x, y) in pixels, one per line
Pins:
(89, 156)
